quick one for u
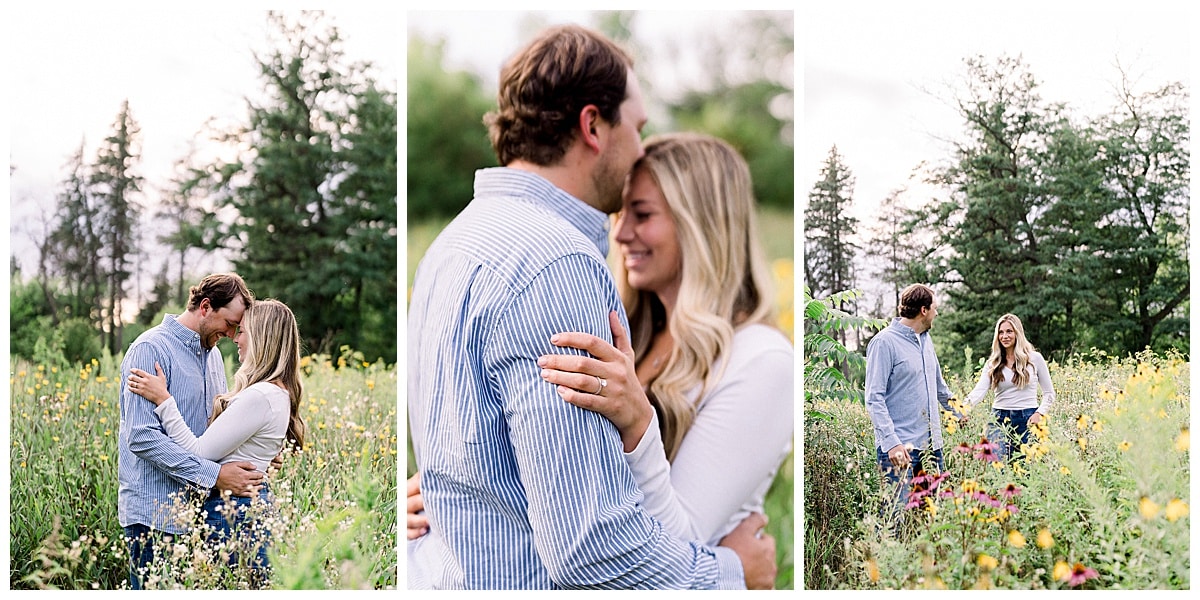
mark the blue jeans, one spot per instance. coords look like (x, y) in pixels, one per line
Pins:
(920, 460)
(227, 520)
(141, 540)
(1009, 430)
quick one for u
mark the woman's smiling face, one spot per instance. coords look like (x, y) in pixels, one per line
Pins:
(645, 231)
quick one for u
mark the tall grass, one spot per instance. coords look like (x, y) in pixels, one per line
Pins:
(776, 232)
(334, 527)
(1100, 501)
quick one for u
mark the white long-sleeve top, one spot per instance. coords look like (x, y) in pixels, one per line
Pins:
(1009, 396)
(252, 427)
(728, 458)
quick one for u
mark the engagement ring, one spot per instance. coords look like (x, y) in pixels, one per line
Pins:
(603, 384)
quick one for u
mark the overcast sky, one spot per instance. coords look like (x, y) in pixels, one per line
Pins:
(870, 68)
(70, 70)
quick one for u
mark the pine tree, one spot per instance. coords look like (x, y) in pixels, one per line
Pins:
(117, 185)
(829, 246)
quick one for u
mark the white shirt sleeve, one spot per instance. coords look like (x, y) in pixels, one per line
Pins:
(729, 457)
(246, 414)
(981, 388)
(1043, 375)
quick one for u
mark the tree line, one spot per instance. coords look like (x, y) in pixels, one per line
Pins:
(303, 201)
(1076, 223)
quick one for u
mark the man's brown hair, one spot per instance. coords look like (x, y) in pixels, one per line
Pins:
(914, 298)
(544, 87)
(220, 289)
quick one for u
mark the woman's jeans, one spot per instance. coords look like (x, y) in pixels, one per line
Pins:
(227, 521)
(1009, 430)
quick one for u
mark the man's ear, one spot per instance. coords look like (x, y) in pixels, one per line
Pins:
(589, 117)
(205, 307)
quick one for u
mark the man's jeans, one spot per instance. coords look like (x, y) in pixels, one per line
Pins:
(899, 481)
(141, 541)
(1009, 430)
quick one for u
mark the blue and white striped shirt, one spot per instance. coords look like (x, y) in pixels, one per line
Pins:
(904, 386)
(153, 470)
(523, 490)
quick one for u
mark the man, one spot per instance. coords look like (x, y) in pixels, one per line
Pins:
(522, 489)
(155, 473)
(904, 387)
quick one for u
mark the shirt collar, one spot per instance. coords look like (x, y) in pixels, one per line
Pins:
(183, 334)
(529, 187)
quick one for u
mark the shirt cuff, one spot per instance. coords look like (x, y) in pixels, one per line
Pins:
(729, 569)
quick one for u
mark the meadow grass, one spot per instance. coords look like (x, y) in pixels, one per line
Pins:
(776, 233)
(335, 520)
(1100, 501)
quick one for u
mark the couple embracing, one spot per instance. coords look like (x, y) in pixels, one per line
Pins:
(573, 429)
(186, 440)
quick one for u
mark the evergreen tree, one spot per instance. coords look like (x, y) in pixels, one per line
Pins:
(314, 212)
(117, 185)
(72, 251)
(829, 246)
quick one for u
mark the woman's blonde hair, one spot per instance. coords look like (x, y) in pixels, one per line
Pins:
(271, 352)
(724, 280)
(1022, 350)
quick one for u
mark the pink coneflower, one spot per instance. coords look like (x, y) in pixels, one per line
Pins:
(1080, 574)
(1010, 491)
(985, 498)
(963, 447)
(986, 451)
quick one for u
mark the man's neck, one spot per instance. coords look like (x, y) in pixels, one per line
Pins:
(568, 175)
(189, 319)
(913, 324)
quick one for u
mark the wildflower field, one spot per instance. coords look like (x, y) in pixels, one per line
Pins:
(1101, 500)
(335, 521)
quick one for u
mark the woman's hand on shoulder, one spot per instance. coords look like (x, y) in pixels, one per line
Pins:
(150, 387)
(605, 382)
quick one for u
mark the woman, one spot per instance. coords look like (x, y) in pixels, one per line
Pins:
(1015, 371)
(260, 413)
(706, 411)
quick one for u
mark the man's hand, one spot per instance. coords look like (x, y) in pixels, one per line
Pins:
(756, 550)
(276, 463)
(240, 479)
(899, 457)
(418, 524)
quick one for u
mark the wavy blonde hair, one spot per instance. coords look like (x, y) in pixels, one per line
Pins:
(1022, 350)
(724, 280)
(271, 352)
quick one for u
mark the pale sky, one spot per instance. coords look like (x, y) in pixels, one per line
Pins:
(866, 64)
(70, 70)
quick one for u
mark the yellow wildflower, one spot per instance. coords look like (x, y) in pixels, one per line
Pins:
(986, 562)
(1083, 422)
(1064, 470)
(1176, 508)
(1015, 539)
(1148, 508)
(1044, 539)
(1082, 443)
(1184, 440)
(1124, 446)
(872, 570)
(1062, 571)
